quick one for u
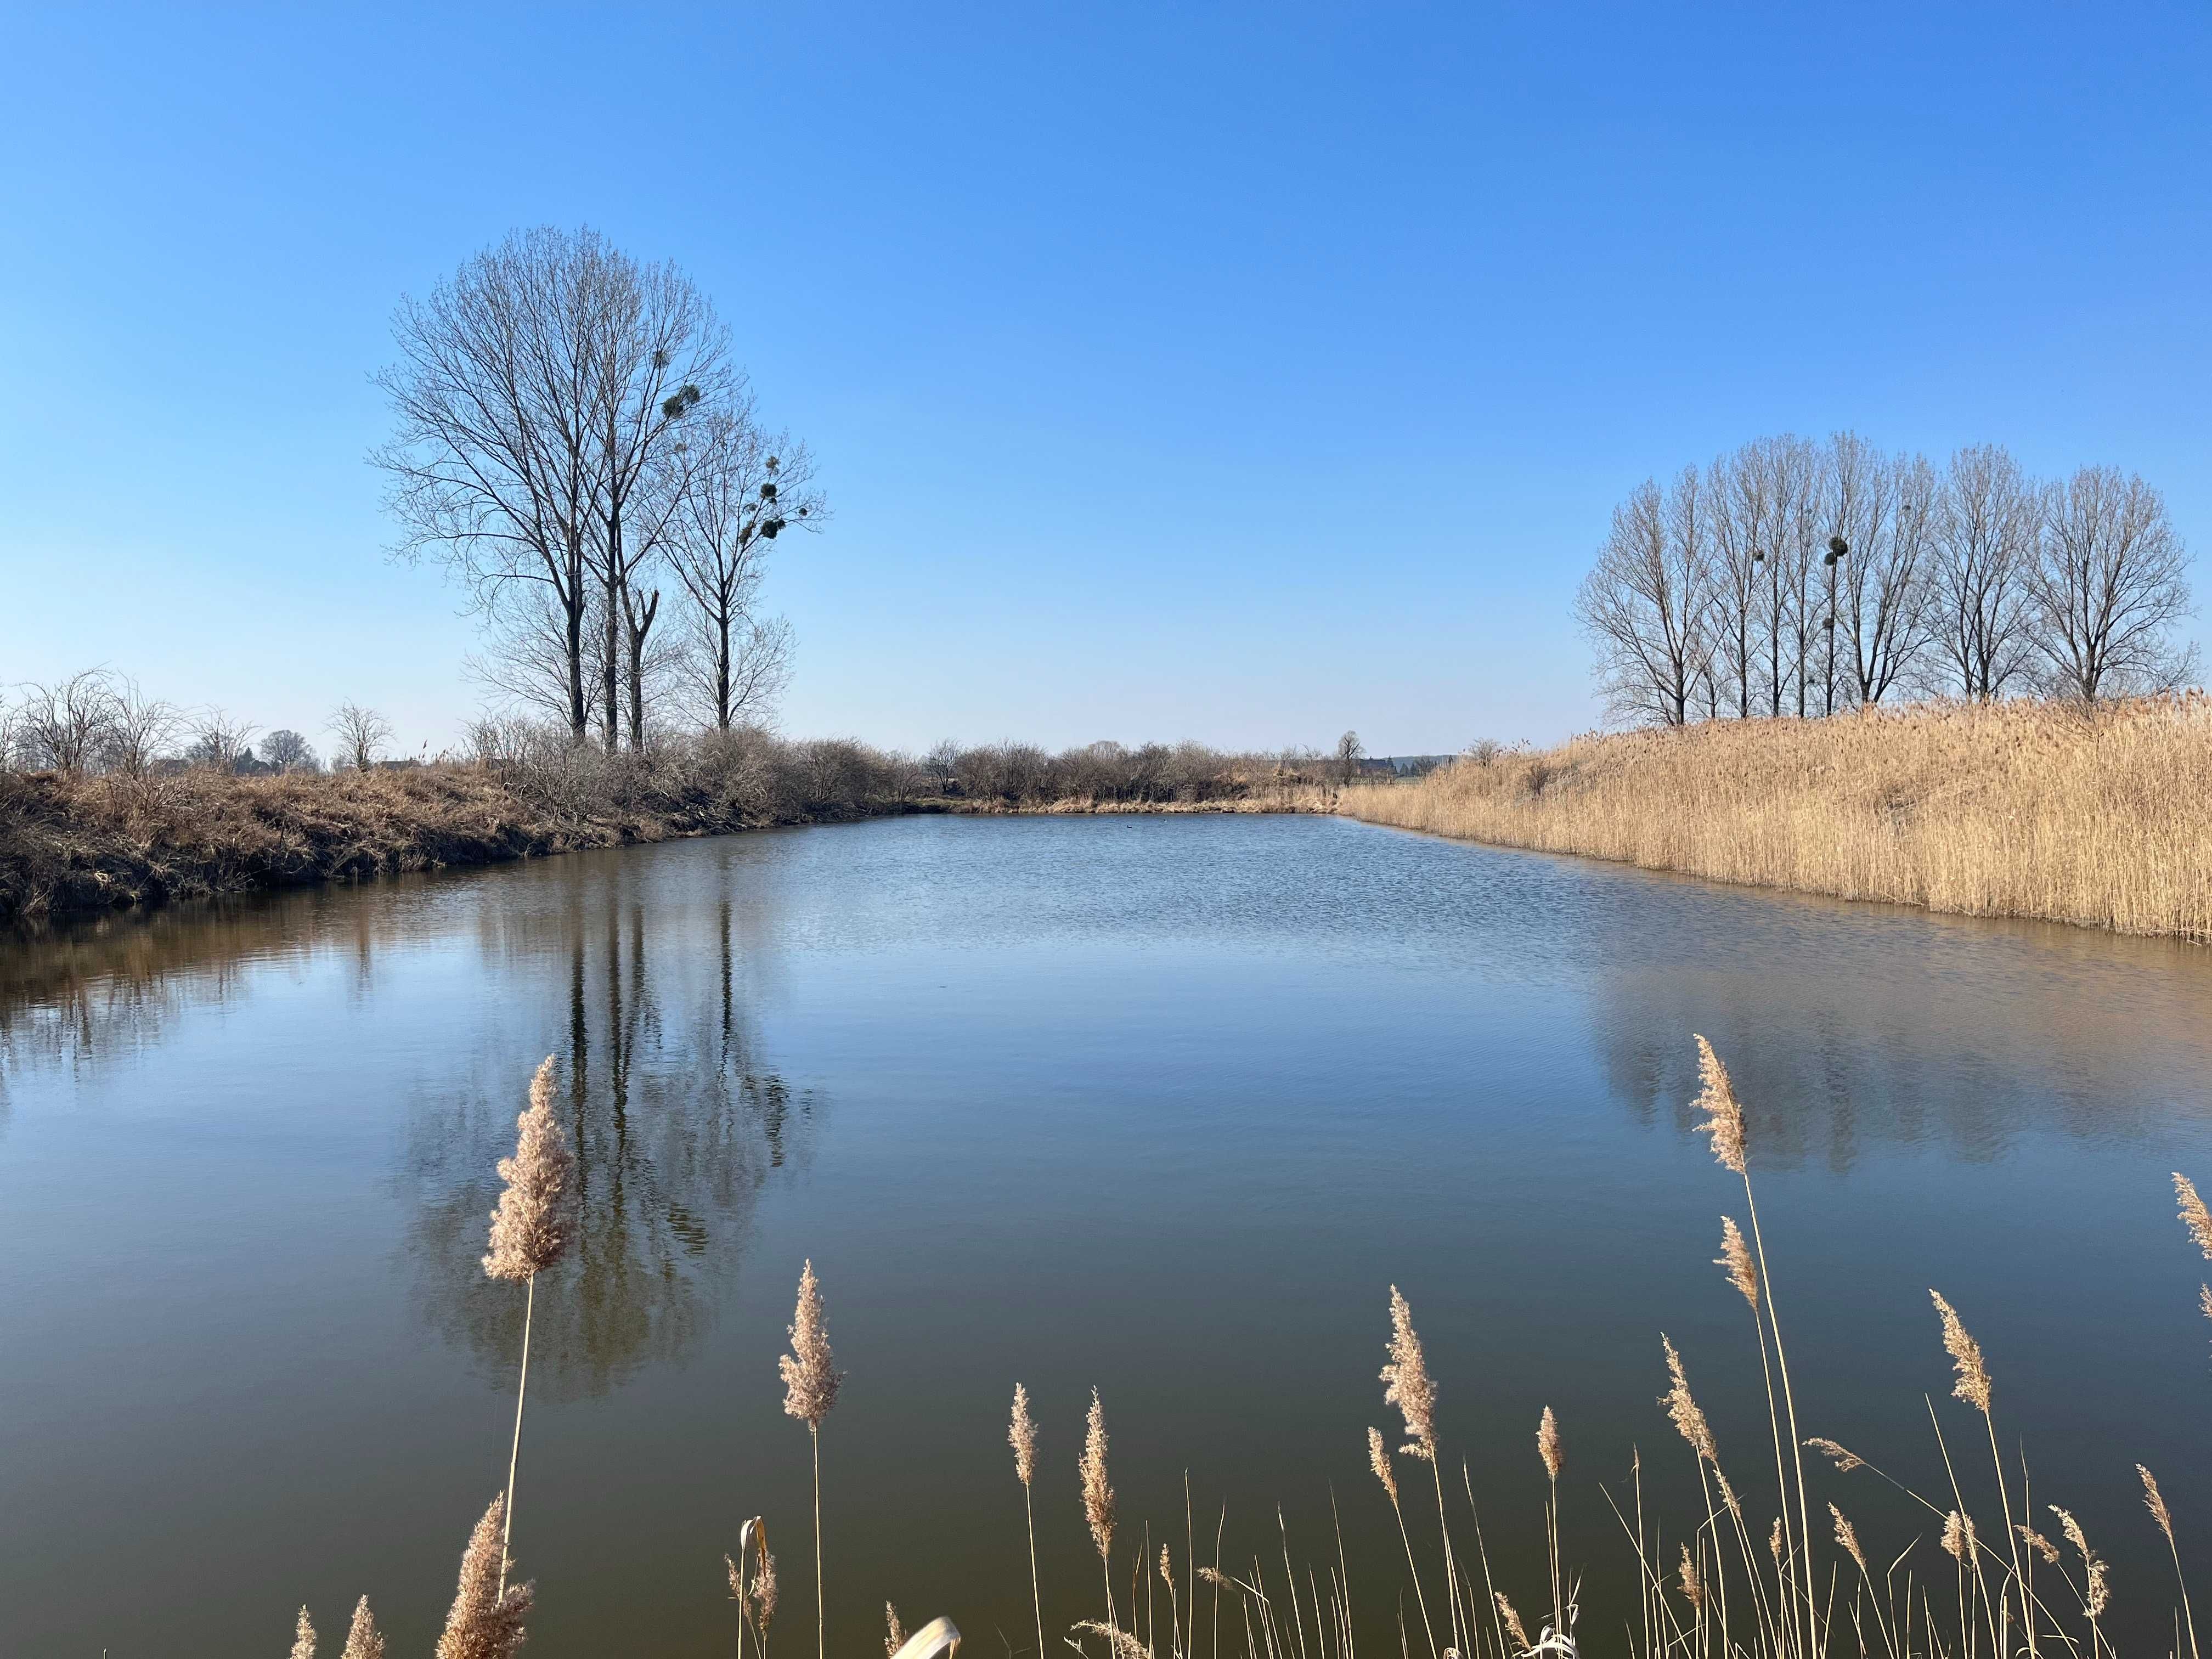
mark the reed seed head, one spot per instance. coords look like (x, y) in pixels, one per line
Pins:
(1716, 1099)
(1735, 1259)
(1097, 1495)
(1687, 1419)
(303, 1638)
(536, 1217)
(1848, 1536)
(1846, 1461)
(1513, 1625)
(1167, 1569)
(894, 1632)
(2155, 1501)
(763, 1590)
(363, 1640)
(2194, 1215)
(811, 1378)
(1693, 1589)
(1021, 1435)
(485, 1624)
(1378, 1459)
(1119, 1643)
(1547, 1444)
(2096, 1592)
(1406, 1382)
(1959, 1538)
(737, 1579)
(2036, 1543)
(2204, 1300)
(1774, 1541)
(1973, 1383)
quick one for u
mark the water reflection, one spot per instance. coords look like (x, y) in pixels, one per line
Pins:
(680, 1123)
(1896, 1031)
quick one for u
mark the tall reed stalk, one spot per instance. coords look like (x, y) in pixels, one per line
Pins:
(810, 1381)
(1022, 1435)
(530, 1231)
(1098, 1497)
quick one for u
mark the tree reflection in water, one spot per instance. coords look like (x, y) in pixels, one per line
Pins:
(679, 1123)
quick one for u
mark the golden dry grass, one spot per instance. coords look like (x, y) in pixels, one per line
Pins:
(2097, 818)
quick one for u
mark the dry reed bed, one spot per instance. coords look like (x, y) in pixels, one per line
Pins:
(2026, 809)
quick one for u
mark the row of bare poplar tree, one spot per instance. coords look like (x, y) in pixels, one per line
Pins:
(1798, 577)
(575, 444)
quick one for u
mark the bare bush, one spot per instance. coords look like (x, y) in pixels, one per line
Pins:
(62, 727)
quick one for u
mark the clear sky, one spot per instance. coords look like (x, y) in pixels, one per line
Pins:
(1242, 374)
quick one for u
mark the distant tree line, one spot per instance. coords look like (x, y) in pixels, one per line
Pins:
(1799, 578)
(575, 444)
(99, 723)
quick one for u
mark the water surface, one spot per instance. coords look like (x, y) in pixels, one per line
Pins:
(1160, 1105)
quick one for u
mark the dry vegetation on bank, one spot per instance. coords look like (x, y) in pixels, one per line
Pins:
(2094, 815)
(95, 838)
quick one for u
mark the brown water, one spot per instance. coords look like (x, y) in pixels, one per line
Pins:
(1162, 1105)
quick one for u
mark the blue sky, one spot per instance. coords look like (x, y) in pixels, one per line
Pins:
(1237, 373)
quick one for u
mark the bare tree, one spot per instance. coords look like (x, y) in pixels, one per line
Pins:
(139, 728)
(1742, 519)
(1884, 599)
(660, 354)
(1349, 751)
(219, 741)
(743, 488)
(65, 726)
(2108, 586)
(360, 733)
(501, 392)
(1647, 606)
(1985, 543)
(286, 750)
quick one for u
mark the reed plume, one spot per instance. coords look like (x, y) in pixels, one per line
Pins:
(1683, 1411)
(1378, 1459)
(2194, 1215)
(1972, 1385)
(2096, 1591)
(486, 1618)
(1724, 1119)
(1848, 1536)
(2042, 1546)
(1959, 1540)
(303, 1638)
(1692, 1587)
(1119, 1643)
(894, 1632)
(1409, 1386)
(1845, 1459)
(2155, 1501)
(363, 1640)
(763, 1592)
(810, 1380)
(1097, 1494)
(529, 1231)
(1735, 1259)
(1022, 1435)
(1547, 1444)
(1512, 1621)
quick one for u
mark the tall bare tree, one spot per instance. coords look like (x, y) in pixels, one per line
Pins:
(660, 354)
(1741, 517)
(1647, 606)
(743, 489)
(497, 464)
(1985, 542)
(1883, 599)
(2108, 586)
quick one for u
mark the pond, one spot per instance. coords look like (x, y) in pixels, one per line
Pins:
(1162, 1106)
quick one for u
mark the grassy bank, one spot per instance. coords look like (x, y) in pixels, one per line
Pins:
(72, 843)
(2016, 810)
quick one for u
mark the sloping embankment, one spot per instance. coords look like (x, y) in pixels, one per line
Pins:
(2102, 819)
